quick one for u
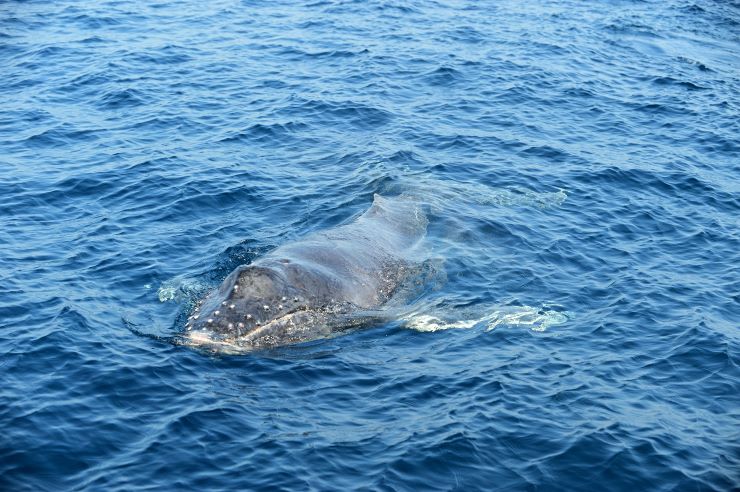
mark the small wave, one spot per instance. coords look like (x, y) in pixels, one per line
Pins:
(466, 34)
(443, 76)
(548, 152)
(536, 319)
(60, 135)
(335, 54)
(699, 65)
(121, 99)
(96, 22)
(93, 40)
(168, 55)
(670, 81)
(349, 113)
(625, 27)
(299, 54)
(266, 133)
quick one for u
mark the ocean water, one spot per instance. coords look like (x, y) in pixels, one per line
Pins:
(581, 165)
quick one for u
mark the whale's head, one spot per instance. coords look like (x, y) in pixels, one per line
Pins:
(255, 307)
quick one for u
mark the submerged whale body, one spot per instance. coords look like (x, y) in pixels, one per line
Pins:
(317, 286)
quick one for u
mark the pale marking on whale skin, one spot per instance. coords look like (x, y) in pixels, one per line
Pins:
(203, 339)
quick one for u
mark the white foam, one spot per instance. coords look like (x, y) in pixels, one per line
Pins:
(180, 289)
(536, 319)
(425, 322)
(166, 293)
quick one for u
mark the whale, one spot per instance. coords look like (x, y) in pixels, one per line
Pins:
(322, 284)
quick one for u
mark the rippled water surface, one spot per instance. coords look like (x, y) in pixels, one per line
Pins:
(580, 163)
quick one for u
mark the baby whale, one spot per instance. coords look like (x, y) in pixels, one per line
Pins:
(327, 282)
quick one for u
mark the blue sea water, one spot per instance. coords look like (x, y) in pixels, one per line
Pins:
(581, 160)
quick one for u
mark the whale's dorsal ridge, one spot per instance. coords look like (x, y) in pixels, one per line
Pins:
(377, 206)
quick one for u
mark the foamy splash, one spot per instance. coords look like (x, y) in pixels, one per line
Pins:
(536, 319)
(180, 289)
